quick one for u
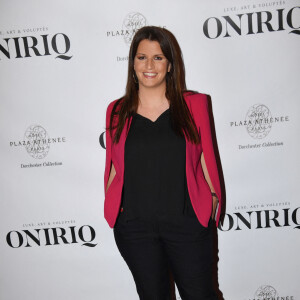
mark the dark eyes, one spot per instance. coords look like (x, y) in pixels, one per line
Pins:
(144, 57)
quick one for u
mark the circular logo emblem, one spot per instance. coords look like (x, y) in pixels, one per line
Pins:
(265, 292)
(132, 22)
(258, 121)
(36, 139)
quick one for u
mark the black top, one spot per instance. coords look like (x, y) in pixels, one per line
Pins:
(154, 175)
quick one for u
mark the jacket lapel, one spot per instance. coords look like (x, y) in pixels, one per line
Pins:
(120, 147)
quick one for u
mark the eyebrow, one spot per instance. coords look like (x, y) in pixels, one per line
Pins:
(154, 54)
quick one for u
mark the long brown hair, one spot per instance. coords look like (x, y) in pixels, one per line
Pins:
(125, 107)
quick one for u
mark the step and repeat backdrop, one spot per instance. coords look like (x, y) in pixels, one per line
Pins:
(63, 62)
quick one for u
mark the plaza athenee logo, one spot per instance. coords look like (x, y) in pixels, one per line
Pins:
(258, 123)
(38, 144)
(131, 24)
(37, 141)
(268, 292)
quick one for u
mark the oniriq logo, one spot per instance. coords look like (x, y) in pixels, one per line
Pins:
(43, 45)
(52, 236)
(260, 219)
(252, 23)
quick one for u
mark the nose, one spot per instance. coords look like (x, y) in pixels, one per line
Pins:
(149, 64)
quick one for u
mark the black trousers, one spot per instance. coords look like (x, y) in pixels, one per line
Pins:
(152, 249)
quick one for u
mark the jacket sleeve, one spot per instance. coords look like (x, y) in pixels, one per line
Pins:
(108, 145)
(208, 148)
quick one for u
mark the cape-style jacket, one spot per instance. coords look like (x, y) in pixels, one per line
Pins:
(199, 191)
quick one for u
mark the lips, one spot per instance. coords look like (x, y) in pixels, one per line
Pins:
(149, 75)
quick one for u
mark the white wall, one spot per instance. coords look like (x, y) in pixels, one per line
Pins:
(63, 99)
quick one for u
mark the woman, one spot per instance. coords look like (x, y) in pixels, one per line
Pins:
(161, 179)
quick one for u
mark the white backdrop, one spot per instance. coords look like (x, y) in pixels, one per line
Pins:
(61, 63)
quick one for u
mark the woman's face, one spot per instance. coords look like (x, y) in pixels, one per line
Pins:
(150, 65)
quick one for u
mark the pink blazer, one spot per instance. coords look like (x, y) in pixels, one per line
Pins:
(198, 188)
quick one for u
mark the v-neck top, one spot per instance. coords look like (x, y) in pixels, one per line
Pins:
(154, 174)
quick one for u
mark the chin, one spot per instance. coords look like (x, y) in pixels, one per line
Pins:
(152, 85)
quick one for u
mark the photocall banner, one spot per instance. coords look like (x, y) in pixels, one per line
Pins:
(62, 63)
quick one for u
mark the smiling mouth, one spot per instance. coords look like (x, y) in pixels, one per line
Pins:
(149, 75)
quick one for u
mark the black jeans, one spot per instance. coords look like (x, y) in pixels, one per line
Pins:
(153, 248)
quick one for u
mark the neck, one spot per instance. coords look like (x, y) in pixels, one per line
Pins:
(152, 97)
